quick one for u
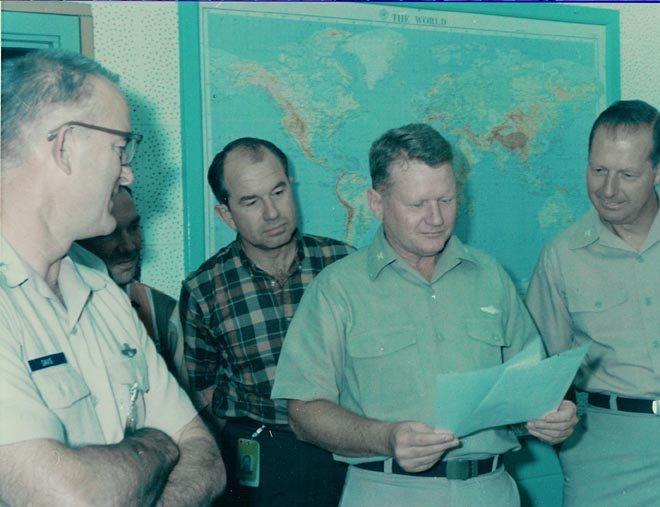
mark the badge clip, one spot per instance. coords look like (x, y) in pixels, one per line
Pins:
(128, 351)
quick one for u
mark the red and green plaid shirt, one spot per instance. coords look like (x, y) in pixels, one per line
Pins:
(234, 317)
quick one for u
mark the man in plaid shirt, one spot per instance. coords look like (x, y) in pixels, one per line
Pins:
(235, 311)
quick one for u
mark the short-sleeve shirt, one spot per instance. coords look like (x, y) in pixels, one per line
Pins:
(234, 317)
(82, 372)
(590, 286)
(371, 334)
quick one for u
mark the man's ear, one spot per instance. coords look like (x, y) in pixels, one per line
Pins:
(375, 201)
(223, 211)
(62, 149)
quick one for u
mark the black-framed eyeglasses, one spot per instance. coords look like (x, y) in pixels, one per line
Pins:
(126, 153)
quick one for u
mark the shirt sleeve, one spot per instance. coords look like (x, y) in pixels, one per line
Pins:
(175, 344)
(311, 363)
(200, 354)
(519, 326)
(547, 303)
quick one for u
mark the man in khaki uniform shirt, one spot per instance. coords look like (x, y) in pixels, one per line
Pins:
(373, 331)
(89, 413)
(599, 282)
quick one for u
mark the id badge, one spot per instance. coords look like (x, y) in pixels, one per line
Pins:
(248, 462)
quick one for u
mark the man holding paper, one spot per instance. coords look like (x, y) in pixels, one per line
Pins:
(374, 330)
(599, 282)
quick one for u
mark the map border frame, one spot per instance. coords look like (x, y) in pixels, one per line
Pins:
(194, 187)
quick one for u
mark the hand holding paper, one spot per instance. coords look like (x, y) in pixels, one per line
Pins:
(556, 426)
(524, 388)
(417, 447)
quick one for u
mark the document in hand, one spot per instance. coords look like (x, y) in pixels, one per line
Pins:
(526, 387)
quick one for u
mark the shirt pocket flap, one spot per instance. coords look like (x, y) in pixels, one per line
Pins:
(595, 301)
(487, 330)
(381, 343)
(60, 386)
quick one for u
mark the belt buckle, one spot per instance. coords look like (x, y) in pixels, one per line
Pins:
(458, 470)
(654, 407)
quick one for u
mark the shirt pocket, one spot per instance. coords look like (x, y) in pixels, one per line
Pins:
(486, 341)
(386, 369)
(67, 395)
(60, 386)
(130, 382)
(599, 314)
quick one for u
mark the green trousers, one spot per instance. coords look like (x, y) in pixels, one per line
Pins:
(364, 488)
(612, 460)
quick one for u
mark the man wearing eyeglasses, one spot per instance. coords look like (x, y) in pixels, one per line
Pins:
(90, 415)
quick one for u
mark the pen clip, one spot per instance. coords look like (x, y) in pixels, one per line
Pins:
(258, 431)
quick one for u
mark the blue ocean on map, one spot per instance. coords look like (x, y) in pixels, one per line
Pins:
(516, 108)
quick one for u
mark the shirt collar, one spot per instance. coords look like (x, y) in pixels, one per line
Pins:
(654, 232)
(587, 231)
(380, 254)
(13, 270)
(237, 250)
(591, 229)
(16, 272)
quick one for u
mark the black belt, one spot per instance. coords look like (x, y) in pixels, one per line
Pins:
(454, 469)
(623, 404)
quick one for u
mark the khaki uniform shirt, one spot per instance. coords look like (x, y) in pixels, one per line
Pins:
(371, 334)
(83, 372)
(591, 286)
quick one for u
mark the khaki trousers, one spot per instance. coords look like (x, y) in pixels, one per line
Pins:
(364, 488)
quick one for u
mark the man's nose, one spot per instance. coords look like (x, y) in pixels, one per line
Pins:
(610, 185)
(130, 242)
(270, 210)
(435, 214)
(126, 177)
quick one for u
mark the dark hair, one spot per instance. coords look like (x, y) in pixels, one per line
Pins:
(38, 79)
(630, 115)
(252, 147)
(416, 141)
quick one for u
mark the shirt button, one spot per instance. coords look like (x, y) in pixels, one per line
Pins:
(432, 296)
(640, 259)
(648, 301)
(656, 344)
(74, 331)
(599, 304)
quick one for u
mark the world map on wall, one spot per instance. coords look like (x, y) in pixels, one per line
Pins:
(323, 86)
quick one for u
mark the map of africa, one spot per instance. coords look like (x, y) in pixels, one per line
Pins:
(323, 82)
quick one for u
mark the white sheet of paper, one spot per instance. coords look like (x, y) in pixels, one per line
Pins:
(524, 388)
